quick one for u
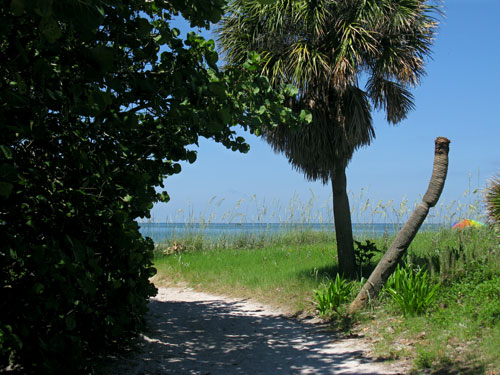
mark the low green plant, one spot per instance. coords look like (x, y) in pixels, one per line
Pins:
(424, 359)
(333, 295)
(364, 253)
(412, 290)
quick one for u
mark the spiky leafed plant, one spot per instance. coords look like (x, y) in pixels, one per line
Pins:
(492, 198)
(328, 48)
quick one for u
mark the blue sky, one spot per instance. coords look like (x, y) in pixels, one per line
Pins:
(458, 99)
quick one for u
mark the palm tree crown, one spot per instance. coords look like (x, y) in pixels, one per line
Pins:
(326, 48)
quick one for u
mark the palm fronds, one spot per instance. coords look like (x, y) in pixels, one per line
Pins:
(326, 48)
(492, 198)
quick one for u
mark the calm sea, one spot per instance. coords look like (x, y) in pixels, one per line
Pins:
(161, 232)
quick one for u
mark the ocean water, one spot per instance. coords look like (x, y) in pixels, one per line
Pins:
(163, 232)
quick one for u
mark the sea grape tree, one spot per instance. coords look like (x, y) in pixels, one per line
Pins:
(99, 101)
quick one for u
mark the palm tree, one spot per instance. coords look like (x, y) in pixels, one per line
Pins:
(492, 198)
(327, 49)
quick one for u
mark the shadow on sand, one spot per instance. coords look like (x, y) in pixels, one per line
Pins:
(218, 337)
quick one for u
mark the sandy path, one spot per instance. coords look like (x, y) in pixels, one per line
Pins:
(197, 333)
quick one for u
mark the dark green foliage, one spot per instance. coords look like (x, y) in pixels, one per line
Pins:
(99, 100)
(364, 253)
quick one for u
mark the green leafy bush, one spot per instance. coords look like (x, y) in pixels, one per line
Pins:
(93, 118)
(332, 295)
(412, 291)
(364, 253)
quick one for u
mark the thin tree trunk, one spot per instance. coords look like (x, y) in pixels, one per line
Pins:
(389, 261)
(343, 226)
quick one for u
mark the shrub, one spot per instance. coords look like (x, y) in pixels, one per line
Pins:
(364, 253)
(92, 120)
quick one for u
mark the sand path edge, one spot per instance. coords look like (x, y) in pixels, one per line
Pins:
(201, 334)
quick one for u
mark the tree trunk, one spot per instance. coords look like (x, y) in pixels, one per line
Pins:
(389, 261)
(343, 226)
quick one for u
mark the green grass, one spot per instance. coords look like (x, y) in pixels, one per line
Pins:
(282, 274)
(460, 333)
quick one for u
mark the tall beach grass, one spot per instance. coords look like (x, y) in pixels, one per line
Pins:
(309, 220)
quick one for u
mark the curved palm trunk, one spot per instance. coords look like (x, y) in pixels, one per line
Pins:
(343, 226)
(389, 261)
